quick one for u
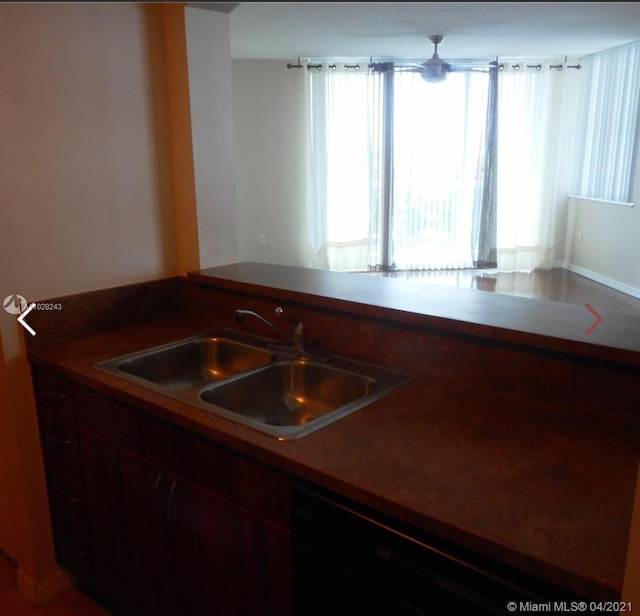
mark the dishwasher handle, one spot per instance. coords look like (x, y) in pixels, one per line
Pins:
(431, 577)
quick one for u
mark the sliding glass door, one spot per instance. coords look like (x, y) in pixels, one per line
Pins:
(439, 142)
(409, 175)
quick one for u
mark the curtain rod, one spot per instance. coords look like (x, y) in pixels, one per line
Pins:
(318, 66)
(538, 67)
(501, 66)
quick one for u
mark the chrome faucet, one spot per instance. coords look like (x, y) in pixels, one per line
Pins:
(297, 339)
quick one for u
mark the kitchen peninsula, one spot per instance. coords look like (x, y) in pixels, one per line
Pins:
(516, 441)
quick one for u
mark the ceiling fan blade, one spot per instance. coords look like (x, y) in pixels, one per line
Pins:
(469, 68)
(434, 69)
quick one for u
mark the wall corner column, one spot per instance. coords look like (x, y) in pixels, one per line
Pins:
(180, 131)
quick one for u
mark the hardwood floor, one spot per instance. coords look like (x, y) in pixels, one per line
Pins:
(71, 603)
(556, 285)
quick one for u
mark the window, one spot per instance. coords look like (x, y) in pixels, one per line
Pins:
(439, 149)
(409, 175)
(395, 169)
(607, 124)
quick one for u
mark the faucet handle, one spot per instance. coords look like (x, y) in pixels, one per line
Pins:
(280, 312)
(298, 332)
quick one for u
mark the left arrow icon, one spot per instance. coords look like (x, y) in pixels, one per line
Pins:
(22, 321)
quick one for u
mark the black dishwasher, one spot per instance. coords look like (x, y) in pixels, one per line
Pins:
(354, 562)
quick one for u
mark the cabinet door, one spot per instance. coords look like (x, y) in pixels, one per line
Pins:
(163, 545)
(193, 553)
(150, 563)
(132, 543)
(105, 511)
(230, 561)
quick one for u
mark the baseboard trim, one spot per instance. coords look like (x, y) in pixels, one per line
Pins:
(609, 282)
(42, 591)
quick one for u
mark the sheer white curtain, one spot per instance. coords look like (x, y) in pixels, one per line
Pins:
(527, 165)
(343, 168)
(438, 151)
(439, 140)
(607, 117)
(438, 145)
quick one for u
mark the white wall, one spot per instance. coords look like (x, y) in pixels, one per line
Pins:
(270, 172)
(209, 59)
(85, 202)
(270, 134)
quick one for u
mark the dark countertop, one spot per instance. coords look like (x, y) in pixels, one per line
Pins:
(533, 481)
(544, 325)
(536, 486)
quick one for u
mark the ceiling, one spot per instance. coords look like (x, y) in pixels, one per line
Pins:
(472, 30)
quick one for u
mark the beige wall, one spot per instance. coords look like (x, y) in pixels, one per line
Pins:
(85, 203)
(603, 242)
(84, 173)
(269, 145)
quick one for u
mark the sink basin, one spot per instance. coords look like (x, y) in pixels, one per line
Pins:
(249, 380)
(194, 362)
(290, 393)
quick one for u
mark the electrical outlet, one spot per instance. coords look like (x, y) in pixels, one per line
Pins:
(580, 237)
(262, 240)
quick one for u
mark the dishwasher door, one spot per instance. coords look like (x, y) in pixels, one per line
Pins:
(349, 561)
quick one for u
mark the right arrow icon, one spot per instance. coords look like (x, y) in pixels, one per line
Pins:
(596, 315)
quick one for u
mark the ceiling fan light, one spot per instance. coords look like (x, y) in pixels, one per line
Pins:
(435, 69)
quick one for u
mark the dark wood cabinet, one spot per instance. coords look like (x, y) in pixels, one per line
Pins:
(63, 467)
(236, 558)
(173, 524)
(152, 539)
(105, 504)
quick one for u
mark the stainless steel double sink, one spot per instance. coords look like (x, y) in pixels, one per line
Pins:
(250, 380)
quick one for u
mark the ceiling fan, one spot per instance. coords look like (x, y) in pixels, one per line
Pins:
(434, 70)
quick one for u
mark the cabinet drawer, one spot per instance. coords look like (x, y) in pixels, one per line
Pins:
(74, 557)
(109, 418)
(68, 508)
(70, 524)
(54, 393)
(60, 443)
